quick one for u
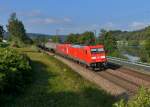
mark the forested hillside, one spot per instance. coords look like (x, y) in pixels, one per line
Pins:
(142, 34)
(134, 42)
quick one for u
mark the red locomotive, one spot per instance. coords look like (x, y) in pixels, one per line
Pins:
(91, 56)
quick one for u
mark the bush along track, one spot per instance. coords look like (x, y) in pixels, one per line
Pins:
(142, 99)
(15, 72)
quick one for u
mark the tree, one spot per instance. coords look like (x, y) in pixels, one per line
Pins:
(17, 31)
(101, 36)
(109, 42)
(147, 46)
(2, 31)
(72, 38)
(56, 39)
(146, 54)
(87, 38)
(40, 39)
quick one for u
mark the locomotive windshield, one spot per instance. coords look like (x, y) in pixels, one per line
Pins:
(97, 50)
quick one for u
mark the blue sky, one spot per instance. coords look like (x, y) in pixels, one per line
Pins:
(45, 16)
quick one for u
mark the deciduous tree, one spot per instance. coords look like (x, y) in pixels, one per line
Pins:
(2, 31)
(17, 30)
(56, 39)
(109, 41)
(72, 38)
(87, 38)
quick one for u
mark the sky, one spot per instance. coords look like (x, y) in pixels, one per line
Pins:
(77, 16)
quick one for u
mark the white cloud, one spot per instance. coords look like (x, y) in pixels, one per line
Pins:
(95, 26)
(109, 26)
(50, 20)
(37, 17)
(138, 25)
(66, 19)
(33, 13)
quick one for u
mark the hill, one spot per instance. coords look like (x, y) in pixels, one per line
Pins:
(35, 35)
(138, 35)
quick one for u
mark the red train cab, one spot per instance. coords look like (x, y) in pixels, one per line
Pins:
(97, 56)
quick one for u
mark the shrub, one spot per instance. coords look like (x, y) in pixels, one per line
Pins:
(117, 53)
(15, 71)
(142, 99)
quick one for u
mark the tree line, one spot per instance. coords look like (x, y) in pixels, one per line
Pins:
(139, 39)
(16, 30)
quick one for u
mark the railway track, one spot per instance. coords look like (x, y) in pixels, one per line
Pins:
(117, 80)
(136, 74)
(129, 87)
(131, 83)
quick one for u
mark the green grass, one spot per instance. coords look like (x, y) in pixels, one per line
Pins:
(56, 85)
(3, 45)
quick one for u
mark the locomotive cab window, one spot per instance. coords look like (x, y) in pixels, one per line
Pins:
(97, 50)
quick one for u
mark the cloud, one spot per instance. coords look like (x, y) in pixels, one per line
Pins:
(138, 25)
(66, 19)
(33, 13)
(49, 20)
(110, 26)
(36, 17)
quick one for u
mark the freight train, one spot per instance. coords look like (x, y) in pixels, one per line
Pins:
(90, 56)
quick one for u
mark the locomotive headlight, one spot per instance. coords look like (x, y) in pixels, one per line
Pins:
(93, 57)
(103, 57)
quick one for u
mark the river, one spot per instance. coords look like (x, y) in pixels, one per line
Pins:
(132, 58)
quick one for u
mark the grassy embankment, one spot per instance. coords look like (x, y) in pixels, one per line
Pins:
(56, 85)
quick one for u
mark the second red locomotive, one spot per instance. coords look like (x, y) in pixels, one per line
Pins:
(91, 56)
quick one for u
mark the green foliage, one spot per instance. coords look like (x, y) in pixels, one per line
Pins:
(17, 31)
(3, 45)
(15, 71)
(139, 38)
(86, 38)
(142, 99)
(2, 31)
(56, 39)
(109, 42)
(144, 57)
(147, 46)
(72, 38)
(40, 39)
(117, 53)
(133, 43)
(138, 35)
(145, 52)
